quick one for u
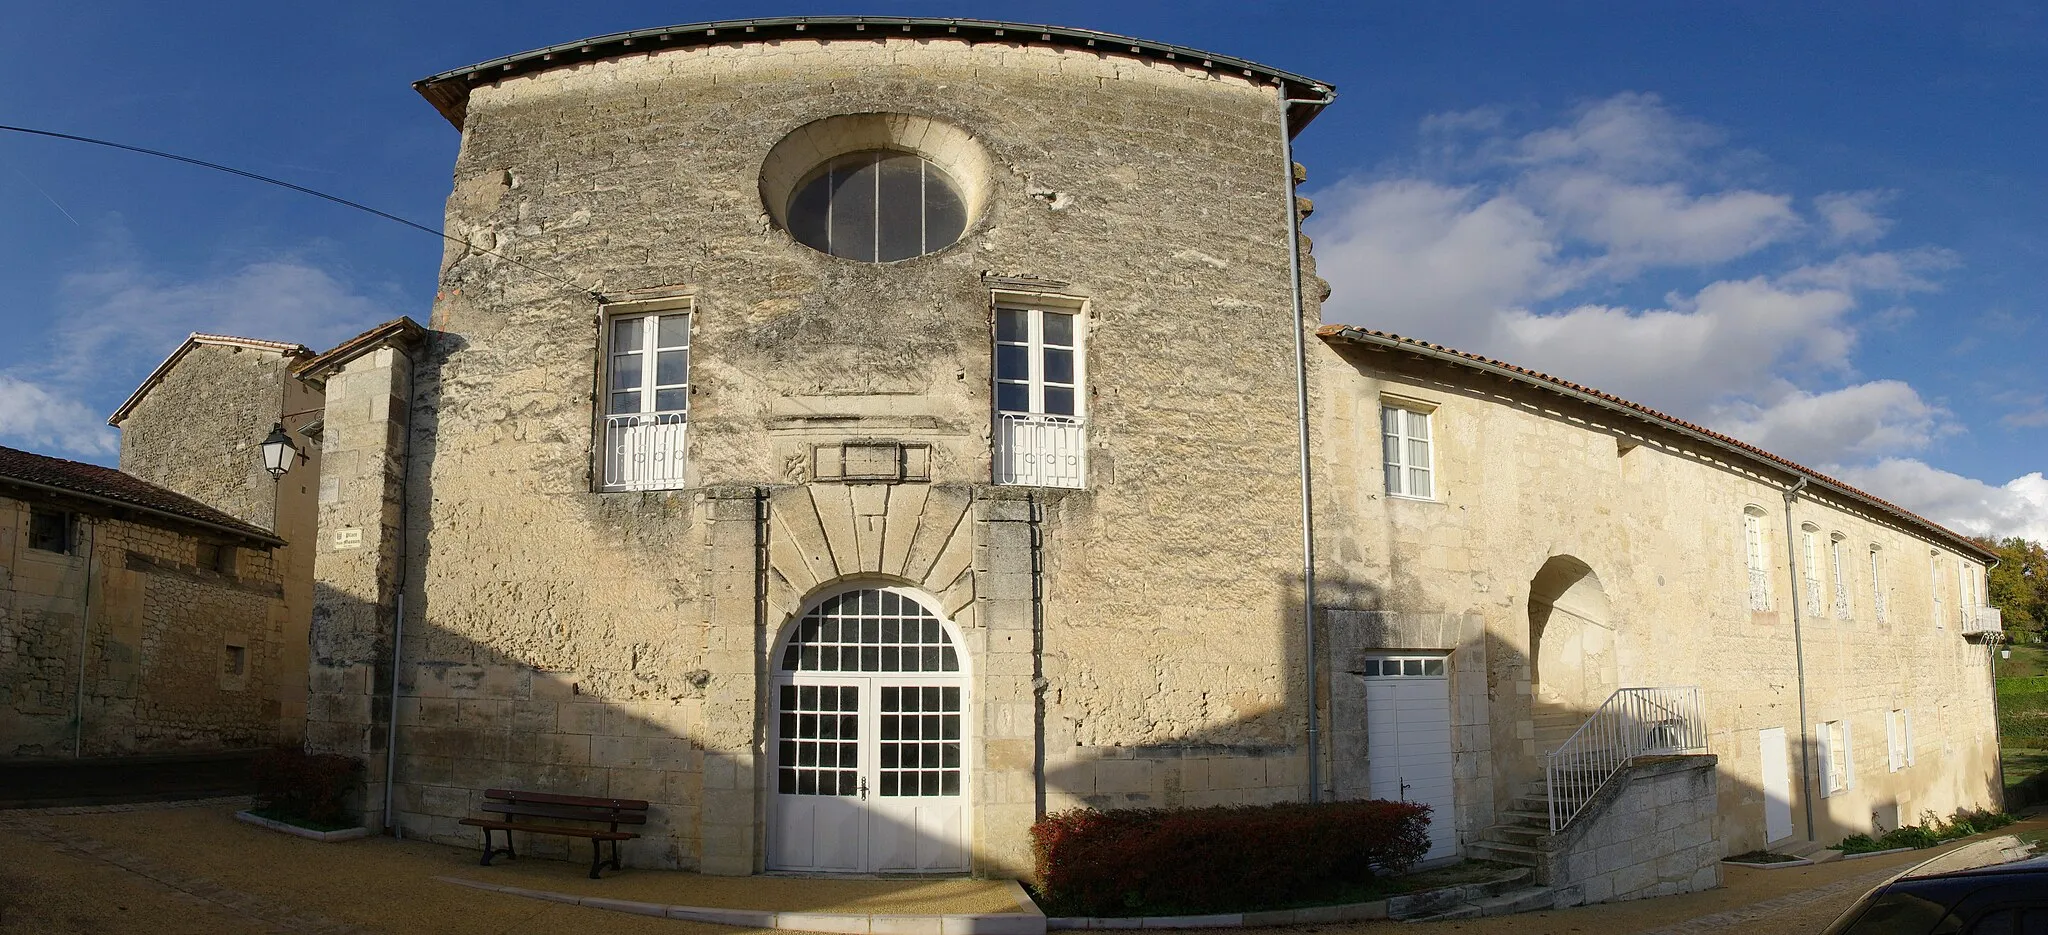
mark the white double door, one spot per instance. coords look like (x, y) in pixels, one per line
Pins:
(869, 774)
(1408, 741)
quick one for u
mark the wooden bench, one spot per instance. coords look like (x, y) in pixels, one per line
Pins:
(518, 808)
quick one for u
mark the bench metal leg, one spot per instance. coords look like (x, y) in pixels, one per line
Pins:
(615, 856)
(596, 853)
(490, 852)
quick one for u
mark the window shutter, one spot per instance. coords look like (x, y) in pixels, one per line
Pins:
(1848, 756)
(1827, 772)
(1909, 736)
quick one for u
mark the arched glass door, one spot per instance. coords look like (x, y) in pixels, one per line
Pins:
(869, 714)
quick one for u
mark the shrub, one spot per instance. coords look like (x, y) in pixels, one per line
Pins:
(313, 786)
(1859, 844)
(1220, 859)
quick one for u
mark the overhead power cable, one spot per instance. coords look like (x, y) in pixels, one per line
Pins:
(564, 280)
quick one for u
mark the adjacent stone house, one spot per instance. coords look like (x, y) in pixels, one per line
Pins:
(859, 436)
(135, 620)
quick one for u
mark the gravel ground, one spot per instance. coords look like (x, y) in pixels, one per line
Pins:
(191, 868)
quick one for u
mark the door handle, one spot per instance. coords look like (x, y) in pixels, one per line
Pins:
(1404, 789)
(863, 788)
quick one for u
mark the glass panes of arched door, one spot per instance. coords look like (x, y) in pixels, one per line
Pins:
(870, 721)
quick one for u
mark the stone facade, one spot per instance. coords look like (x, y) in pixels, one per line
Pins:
(1137, 641)
(1526, 476)
(1650, 833)
(175, 657)
(194, 427)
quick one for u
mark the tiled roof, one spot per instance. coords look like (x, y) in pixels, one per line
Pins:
(1733, 445)
(402, 331)
(106, 485)
(196, 339)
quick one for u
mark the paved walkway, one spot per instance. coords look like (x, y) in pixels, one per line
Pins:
(191, 868)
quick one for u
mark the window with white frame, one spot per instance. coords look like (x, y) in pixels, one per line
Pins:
(1405, 442)
(1966, 591)
(646, 395)
(1838, 571)
(1898, 736)
(1039, 381)
(1934, 589)
(1837, 757)
(1877, 598)
(1758, 554)
(1809, 536)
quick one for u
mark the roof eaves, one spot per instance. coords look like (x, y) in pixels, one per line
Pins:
(1644, 413)
(402, 331)
(448, 91)
(196, 339)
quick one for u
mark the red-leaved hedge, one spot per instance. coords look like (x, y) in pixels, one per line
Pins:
(312, 786)
(1220, 859)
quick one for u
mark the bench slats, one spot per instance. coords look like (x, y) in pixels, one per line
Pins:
(549, 829)
(569, 813)
(549, 798)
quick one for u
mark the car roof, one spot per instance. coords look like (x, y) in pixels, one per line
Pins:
(2003, 854)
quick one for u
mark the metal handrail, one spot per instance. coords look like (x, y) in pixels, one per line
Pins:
(1632, 722)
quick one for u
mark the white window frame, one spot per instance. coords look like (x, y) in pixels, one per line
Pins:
(643, 449)
(1839, 576)
(1400, 469)
(1757, 557)
(1809, 540)
(1837, 749)
(1934, 589)
(1966, 592)
(1877, 596)
(1033, 447)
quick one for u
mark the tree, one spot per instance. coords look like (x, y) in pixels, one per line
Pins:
(2018, 586)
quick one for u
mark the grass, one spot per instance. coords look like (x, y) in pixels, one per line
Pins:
(2028, 660)
(1762, 857)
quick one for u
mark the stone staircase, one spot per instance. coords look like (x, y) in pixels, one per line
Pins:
(1522, 826)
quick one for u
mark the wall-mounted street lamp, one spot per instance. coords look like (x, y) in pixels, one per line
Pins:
(278, 451)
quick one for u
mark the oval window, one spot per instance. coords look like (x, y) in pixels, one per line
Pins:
(877, 206)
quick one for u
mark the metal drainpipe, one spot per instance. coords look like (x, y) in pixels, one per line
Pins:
(1806, 777)
(1308, 537)
(84, 640)
(412, 372)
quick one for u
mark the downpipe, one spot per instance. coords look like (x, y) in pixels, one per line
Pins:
(1807, 789)
(1308, 537)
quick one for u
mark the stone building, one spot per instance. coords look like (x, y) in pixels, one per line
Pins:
(861, 436)
(135, 620)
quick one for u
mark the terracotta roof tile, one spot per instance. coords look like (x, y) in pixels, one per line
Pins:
(1382, 338)
(112, 486)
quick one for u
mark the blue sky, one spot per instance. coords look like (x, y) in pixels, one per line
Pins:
(1821, 229)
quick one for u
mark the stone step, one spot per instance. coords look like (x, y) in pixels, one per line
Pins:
(1533, 817)
(1517, 854)
(1526, 899)
(1518, 834)
(1446, 902)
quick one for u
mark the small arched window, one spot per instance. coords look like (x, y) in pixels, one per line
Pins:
(878, 205)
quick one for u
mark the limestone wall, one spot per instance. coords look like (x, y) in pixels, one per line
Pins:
(1650, 833)
(197, 432)
(155, 630)
(1151, 193)
(1525, 476)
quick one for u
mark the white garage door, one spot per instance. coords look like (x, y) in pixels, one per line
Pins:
(1408, 740)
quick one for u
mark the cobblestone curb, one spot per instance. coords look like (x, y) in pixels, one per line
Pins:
(839, 923)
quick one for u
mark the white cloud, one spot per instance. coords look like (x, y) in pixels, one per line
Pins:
(1726, 339)
(33, 417)
(118, 321)
(2018, 508)
(1852, 217)
(1865, 419)
(124, 314)
(1518, 248)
